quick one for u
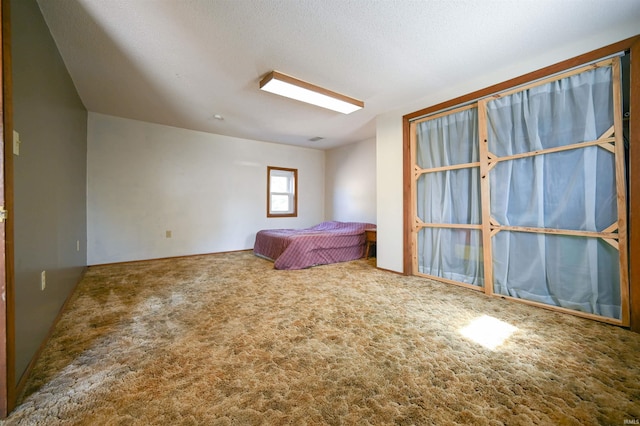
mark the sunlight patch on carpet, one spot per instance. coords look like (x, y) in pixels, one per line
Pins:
(488, 331)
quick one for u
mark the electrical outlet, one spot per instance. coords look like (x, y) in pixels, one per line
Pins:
(43, 280)
(168, 234)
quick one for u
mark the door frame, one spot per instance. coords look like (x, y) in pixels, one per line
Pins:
(7, 307)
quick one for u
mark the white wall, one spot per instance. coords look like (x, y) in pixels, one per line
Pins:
(350, 182)
(389, 245)
(208, 190)
(389, 136)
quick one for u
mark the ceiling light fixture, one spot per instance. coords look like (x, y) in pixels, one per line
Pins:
(285, 85)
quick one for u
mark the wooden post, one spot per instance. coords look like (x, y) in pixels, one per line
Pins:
(621, 192)
(485, 190)
(413, 197)
(407, 185)
(634, 187)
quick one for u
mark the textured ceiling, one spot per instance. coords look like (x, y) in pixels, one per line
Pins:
(180, 62)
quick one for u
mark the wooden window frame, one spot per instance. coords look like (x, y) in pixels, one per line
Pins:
(630, 45)
(295, 192)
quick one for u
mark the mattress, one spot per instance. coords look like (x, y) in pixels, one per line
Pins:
(327, 242)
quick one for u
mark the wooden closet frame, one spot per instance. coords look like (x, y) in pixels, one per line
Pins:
(630, 282)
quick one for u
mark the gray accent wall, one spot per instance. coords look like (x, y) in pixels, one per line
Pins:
(50, 180)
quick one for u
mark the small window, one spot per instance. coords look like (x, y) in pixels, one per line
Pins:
(282, 192)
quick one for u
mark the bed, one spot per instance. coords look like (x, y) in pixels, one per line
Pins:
(327, 242)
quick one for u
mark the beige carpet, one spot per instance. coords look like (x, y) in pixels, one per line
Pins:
(227, 340)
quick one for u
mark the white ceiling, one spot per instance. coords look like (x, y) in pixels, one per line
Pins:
(179, 62)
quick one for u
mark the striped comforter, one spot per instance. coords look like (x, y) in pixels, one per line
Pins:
(327, 242)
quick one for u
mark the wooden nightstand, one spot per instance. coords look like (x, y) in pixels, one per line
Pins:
(371, 236)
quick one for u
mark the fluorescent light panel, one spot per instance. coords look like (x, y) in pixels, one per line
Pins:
(285, 85)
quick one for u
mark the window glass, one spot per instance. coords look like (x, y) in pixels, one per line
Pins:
(282, 192)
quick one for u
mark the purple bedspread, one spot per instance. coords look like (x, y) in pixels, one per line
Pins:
(328, 242)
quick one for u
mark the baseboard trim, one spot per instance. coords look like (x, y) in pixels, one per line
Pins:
(126, 262)
(389, 270)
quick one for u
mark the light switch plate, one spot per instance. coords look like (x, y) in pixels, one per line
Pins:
(16, 143)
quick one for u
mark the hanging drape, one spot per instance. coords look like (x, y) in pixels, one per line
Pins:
(449, 197)
(568, 190)
(531, 173)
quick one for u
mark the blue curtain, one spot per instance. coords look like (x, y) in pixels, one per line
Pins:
(573, 190)
(450, 197)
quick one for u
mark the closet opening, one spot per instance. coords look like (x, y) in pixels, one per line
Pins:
(521, 190)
